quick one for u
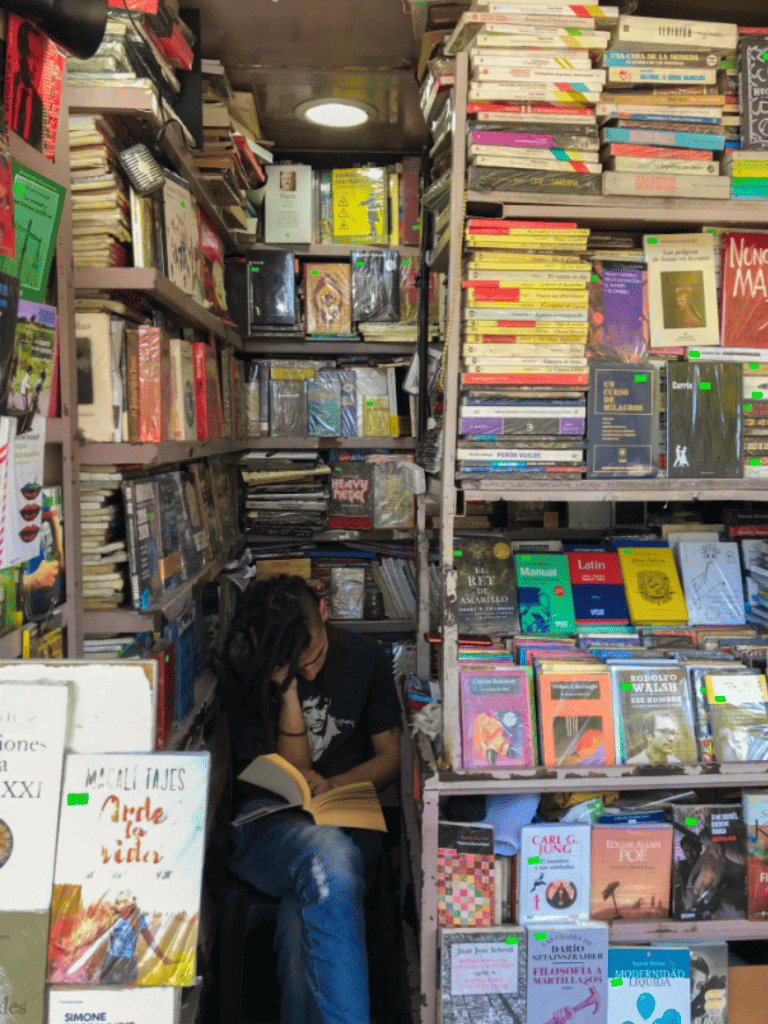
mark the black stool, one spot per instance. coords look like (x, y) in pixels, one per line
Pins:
(241, 908)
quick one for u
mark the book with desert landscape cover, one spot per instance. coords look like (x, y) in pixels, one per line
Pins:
(352, 806)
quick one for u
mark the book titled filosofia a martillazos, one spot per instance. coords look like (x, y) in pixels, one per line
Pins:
(129, 858)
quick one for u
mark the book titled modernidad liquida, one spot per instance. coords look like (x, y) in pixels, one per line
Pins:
(568, 974)
(649, 984)
(126, 895)
(544, 593)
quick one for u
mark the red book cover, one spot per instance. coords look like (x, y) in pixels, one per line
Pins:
(174, 47)
(211, 265)
(145, 6)
(207, 391)
(503, 227)
(164, 653)
(492, 379)
(411, 215)
(151, 385)
(575, 714)
(744, 296)
(201, 391)
(34, 68)
(7, 230)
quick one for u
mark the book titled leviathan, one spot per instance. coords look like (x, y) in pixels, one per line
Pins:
(704, 420)
(568, 974)
(553, 874)
(544, 593)
(649, 984)
(623, 421)
(483, 974)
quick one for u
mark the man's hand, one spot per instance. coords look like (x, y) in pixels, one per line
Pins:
(317, 783)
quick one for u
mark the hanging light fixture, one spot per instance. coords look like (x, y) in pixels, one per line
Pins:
(336, 113)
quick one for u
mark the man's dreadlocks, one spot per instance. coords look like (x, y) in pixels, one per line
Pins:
(272, 627)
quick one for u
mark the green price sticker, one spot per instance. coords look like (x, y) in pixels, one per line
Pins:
(757, 394)
(255, 270)
(361, 263)
(711, 231)
(594, 277)
(629, 550)
(754, 366)
(747, 408)
(337, 469)
(541, 936)
(651, 241)
(617, 981)
(720, 700)
(534, 860)
(764, 56)
(315, 273)
(694, 354)
(76, 798)
(369, 403)
(18, 188)
(704, 385)
(704, 690)
(641, 378)
(406, 263)
(525, 558)
(457, 554)
(415, 227)
(183, 205)
(691, 822)
(625, 686)
(754, 462)
(511, 940)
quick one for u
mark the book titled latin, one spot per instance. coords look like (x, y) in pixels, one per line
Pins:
(553, 875)
(649, 984)
(708, 865)
(34, 721)
(544, 593)
(598, 588)
(652, 586)
(756, 822)
(576, 714)
(568, 974)
(465, 879)
(482, 970)
(497, 718)
(129, 858)
(113, 1005)
(656, 717)
(631, 872)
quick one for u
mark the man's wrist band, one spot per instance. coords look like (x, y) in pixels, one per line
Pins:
(284, 733)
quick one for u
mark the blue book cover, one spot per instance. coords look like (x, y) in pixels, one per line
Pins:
(642, 137)
(182, 631)
(649, 984)
(623, 421)
(568, 974)
(638, 542)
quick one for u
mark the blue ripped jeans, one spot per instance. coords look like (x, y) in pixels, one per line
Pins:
(319, 872)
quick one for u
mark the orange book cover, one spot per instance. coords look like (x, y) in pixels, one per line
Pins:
(154, 384)
(631, 872)
(576, 715)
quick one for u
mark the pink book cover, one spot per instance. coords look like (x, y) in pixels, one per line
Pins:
(496, 718)
(536, 140)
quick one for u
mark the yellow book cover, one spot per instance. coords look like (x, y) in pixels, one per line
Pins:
(737, 710)
(652, 587)
(529, 299)
(394, 208)
(542, 261)
(360, 206)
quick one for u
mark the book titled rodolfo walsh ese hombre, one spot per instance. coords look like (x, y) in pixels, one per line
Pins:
(129, 858)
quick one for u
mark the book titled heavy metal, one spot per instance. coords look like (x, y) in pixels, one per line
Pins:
(553, 873)
(375, 286)
(351, 495)
(568, 974)
(486, 589)
(622, 421)
(656, 717)
(704, 420)
(754, 87)
(708, 863)
(483, 974)
(23, 945)
(271, 289)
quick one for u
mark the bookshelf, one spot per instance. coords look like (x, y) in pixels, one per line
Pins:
(299, 346)
(326, 250)
(424, 782)
(108, 453)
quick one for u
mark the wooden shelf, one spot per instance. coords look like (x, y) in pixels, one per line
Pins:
(736, 930)
(22, 152)
(339, 536)
(56, 429)
(135, 101)
(129, 620)
(149, 454)
(326, 348)
(619, 490)
(330, 251)
(644, 212)
(379, 626)
(328, 443)
(594, 779)
(150, 282)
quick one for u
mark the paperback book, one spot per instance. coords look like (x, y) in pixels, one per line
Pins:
(623, 421)
(598, 588)
(652, 586)
(128, 867)
(708, 867)
(487, 594)
(576, 715)
(711, 575)
(744, 296)
(568, 974)
(465, 884)
(756, 823)
(738, 711)
(681, 290)
(553, 873)
(649, 984)
(23, 942)
(631, 872)
(112, 1005)
(656, 720)
(704, 420)
(498, 718)
(544, 593)
(483, 973)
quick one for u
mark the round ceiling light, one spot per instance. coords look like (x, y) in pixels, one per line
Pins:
(333, 113)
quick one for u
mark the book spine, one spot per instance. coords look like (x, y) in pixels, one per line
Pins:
(655, 152)
(687, 140)
(691, 186)
(663, 31)
(538, 140)
(161, 720)
(132, 373)
(137, 234)
(394, 422)
(659, 58)
(644, 76)
(133, 543)
(650, 166)
(226, 393)
(575, 379)
(201, 391)
(150, 385)
(411, 232)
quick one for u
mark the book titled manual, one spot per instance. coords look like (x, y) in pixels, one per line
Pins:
(682, 295)
(649, 984)
(553, 873)
(568, 974)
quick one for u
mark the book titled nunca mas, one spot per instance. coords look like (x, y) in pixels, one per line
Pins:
(126, 894)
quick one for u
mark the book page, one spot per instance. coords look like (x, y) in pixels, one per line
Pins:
(280, 777)
(353, 806)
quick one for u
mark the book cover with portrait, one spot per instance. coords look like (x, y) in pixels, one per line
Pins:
(682, 295)
(34, 69)
(708, 864)
(129, 858)
(655, 714)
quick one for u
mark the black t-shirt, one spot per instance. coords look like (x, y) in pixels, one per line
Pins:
(352, 698)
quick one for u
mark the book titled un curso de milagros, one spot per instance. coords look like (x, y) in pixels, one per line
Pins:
(352, 806)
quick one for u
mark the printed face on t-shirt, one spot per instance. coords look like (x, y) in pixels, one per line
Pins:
(313, 658)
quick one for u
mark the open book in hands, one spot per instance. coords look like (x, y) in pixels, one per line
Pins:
(353, 806)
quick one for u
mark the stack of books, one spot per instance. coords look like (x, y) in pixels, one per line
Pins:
(748, 169)
(524, 369)
(285, 493)
(744, 160)
(104, 551)
(100, 225)
(532, 94)
(662, 118)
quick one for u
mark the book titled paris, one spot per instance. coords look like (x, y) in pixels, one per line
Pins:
(553, 876)
(649, 985)
(568, 974)
(126, 894)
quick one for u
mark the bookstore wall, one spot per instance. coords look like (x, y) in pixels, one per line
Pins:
(502, 401)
